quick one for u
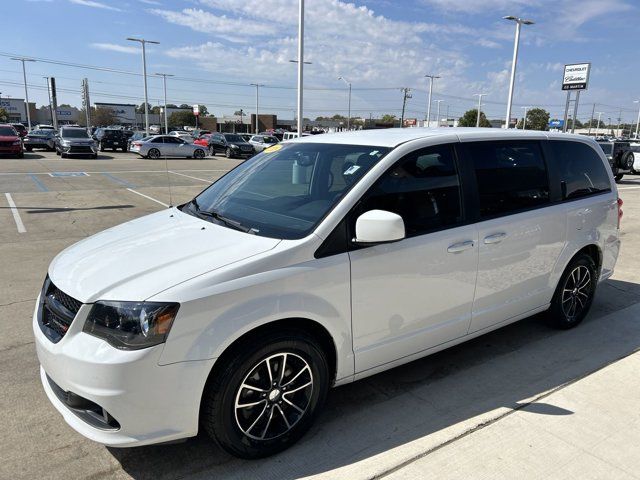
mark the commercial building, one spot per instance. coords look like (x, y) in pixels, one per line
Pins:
(15, 108)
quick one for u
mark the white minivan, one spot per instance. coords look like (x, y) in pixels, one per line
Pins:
(316, 263)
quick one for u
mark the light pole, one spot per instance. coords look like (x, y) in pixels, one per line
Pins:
(431, 79)
(479, 95)
(598, 127)
(144, 74)
(524, 122)
(257, 85)
(164, 86)
(26, 93)
(300, 84)
(349, 114)
(438, 113)
(300, 63)
(638, 121)
(46, 79)
(519, 23)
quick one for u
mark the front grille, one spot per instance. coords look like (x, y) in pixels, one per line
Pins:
(80, 149)
(246, 149)
(56, 311)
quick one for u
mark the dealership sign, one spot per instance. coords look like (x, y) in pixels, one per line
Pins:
(556, 123)
(196, 110)
(576, 76)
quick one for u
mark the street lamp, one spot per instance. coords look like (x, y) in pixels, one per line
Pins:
(431, 79)
(46, 79)
(524, 122)
(598, 126)
(479, 95)
(519, 23)
(638, 121)
(26, 93)
(164, 85)
(144, 74)
(349, 114)
(257, 85)
(300, 62)
(438, 113)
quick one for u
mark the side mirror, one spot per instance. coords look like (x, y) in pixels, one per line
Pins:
(379, 226)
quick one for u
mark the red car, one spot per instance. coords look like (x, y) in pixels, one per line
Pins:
(10, 141)
(203, 140)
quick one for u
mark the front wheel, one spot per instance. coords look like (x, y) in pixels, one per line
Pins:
(268, 395)
(228, 153)
(199, 154)
(573, 297)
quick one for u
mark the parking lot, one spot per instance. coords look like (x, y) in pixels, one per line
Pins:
(524, 401)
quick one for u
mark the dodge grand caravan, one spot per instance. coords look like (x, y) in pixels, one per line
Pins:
(318, 262)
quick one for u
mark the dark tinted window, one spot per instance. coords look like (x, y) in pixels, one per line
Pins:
(511, 176)
(423, 188)
(607, 148)
(7, 131)
(74, 133)
(580, 168)
(233, 138)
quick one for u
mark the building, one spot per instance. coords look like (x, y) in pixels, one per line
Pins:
(15, 108)
(123, 113)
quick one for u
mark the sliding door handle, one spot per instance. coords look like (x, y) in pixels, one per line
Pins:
(460, 247)
(495, 238)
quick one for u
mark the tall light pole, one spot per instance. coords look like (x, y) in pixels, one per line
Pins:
(349, 103)
(46, 79)
(438, 113)
(257, 85)
(144, 74)
(299, 109)
(598, 127)
(519, 23)
(431, 79)
(638, 121)
(300, 63)
(524, 122)
(479, 95)
(164, 86)
(26, 93)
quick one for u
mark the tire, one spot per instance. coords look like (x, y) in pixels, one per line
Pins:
(101, 147)
(571, 302)
(239, 430)
(228, 153)
(28, 149)
(154, 153)
(212, 152)
(198, 154)
(94, 156)
(20, 155)
(628, 161)
(618, 177)
(63, 155)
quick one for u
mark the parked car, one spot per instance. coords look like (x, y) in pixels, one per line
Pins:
(260, 142)
(136, 137)
(620, 157)
(113, 139)
(186, 136)
(292, 135)
(321, 262)
(20, 128)
(231, 144)
(203, 140)
(245, 136)
(41, 126)
(40, 139)
(75, 141)
(159, 146)
(635, 148)
(10, 141)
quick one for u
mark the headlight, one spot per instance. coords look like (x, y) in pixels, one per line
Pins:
(131, 325)
(66, 143)
(234, 146)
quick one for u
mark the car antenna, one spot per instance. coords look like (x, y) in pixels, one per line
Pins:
(166, 169)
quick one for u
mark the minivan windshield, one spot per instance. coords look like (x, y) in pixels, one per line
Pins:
(286, 190)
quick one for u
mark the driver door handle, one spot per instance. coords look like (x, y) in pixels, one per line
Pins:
(460, 247)
(495, 238)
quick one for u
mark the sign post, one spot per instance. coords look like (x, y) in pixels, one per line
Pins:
(196, 112)
(54, 102)
(576, 77)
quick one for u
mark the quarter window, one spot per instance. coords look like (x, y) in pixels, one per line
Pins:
(580, 169)
(423, 188)
(511, 177)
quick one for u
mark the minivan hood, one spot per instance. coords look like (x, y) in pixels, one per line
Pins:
(140, 258)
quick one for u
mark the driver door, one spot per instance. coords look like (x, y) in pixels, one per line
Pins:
(415, 294)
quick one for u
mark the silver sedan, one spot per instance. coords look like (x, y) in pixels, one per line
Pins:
(159, 146)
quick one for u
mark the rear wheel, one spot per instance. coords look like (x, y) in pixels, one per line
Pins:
(154, 153)
(268, 395)
(574, 294)
(199, 154)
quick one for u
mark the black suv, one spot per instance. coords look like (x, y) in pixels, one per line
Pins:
(231, 144)
(620, 157)
(111, 138)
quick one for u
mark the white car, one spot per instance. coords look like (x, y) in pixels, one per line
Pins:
(635, 148)
(260, 142)
(316, 263)
(186, 136)
(162, 146)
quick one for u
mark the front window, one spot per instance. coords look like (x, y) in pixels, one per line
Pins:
(7, 132)
(285, 191)
(74, 134)
(233, 138)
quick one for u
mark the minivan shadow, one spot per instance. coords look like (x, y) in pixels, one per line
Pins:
(505, 368)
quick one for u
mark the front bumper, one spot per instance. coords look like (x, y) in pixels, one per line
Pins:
(12, 150)
(149, 403)
(79, 149)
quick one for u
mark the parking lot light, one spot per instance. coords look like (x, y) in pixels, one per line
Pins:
(257, 85)
(637, 121)
(479, 95)
(431, 79)
(144, 75)
(26, 92)
(519, 23)
(164, 85)
(349, 104)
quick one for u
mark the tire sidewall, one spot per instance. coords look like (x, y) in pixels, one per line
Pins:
(221, 422)
(558, 317)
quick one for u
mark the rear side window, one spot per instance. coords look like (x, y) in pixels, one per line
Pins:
(580, 169)
(511, 176)
(423, 188)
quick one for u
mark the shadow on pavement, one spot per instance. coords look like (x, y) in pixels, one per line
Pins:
(67, 209)
(505, 368)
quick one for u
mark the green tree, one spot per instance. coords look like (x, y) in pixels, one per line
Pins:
(182, 119)
(140, 108)
(387, 118)
(470, 117)
(100, 117)
(537, 119)
(4, 116)
(204, 111)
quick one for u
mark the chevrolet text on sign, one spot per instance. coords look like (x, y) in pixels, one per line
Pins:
(576, 76)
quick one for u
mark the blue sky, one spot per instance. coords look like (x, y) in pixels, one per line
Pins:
(216, 48)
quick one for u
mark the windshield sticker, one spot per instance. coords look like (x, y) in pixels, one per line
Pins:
(351, 170)
(272, 149)
(375, 152)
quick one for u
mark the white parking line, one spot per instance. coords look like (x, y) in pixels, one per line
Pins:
(119, 171)
(628, 188)
(145, 196)
(189, 176)
(16, 214)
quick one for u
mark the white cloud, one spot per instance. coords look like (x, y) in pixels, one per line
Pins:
(94, 4)
(483, 42)
(475, 6)
(150, 2)
(113, 47)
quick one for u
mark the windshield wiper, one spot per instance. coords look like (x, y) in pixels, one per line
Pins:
(221, 218)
